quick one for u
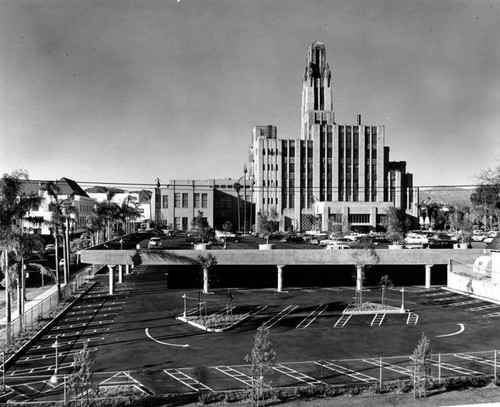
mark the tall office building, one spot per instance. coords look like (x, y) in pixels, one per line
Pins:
(333, 172)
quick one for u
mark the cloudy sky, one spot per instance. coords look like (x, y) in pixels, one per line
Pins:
(134, 90)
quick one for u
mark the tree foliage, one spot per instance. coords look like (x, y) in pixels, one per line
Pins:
(14, 205)
(262, 359)
(421, 365)
(201, 228)
(80, 380)
(397, 224)
(267, 222)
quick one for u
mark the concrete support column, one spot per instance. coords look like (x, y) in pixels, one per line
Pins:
(428, 275)
(120, 273)
(127, 269)
(359, 284)
(205, 280)
(280, 278)
(111, 279)
(359, 278)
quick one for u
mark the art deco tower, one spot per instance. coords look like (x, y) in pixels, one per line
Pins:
(317, 97)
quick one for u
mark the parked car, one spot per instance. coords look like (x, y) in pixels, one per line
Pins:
(155, 243)
(337, 247)
(479, 237)
(222, 237)
(440, 244)
(416, 238)
(292, 239)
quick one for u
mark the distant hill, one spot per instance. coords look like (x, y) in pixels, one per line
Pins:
(447, 195)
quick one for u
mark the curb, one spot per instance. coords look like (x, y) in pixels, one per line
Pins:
(22, 349)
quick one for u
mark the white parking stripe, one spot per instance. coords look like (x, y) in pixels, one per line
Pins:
(346, 371)
(301, 377)
(186, 380)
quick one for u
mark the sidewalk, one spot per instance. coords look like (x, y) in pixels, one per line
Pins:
(35, 295)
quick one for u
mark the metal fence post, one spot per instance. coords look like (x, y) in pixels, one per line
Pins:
(439, 368)
(495, 364)
(380, 371)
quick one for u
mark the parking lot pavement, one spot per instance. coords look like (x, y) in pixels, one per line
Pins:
(136, 332)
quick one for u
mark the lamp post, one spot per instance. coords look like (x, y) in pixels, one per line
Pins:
(402, 299)
(121, 244)
(185, 305)
(55, 345)
(245, 200)
(3, 371)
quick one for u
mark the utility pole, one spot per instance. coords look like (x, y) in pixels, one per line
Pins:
(245, 200)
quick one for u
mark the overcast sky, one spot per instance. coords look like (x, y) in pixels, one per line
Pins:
(134, 90)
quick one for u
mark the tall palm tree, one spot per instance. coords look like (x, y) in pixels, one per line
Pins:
(69, 211)
(25, 244)
(53, 191)
(129, 211)
(14, 205)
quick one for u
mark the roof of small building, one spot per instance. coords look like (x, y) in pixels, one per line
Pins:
(68, 187)
(494, 244)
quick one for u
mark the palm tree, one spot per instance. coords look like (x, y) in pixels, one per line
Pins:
(24, 245)
(69, 211)
(14, 205)
(237, 186)
(128, 211)
(55, 223)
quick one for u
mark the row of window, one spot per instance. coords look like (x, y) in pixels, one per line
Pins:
(270, 167)
(181, 200)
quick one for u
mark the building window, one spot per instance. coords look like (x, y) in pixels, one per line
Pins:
(359, 218)
(184, 200)
(204, 200)
(185, 223)
(177, 200)
(196, 200)
(177, 223)
(164, 201)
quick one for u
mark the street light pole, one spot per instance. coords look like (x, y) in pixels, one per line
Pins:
(3, 371)
(185, 305)
(121, 244)
(402, 299)
(245, 200)
(55, 345)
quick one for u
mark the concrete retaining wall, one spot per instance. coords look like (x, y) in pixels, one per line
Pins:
(275, 257)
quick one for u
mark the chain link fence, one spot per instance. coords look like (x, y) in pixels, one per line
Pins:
(41, 308)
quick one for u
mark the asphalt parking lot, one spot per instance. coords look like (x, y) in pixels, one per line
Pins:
(135, 338)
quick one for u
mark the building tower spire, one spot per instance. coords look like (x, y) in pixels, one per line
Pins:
(317, 97)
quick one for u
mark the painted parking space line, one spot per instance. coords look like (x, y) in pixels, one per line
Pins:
(311, 317)
(476, 359)
(438, 293)
(76, 333)
(125, 379)
(186, 380)
(90, 316)
(483, 307)
(95, 310)
(346, 371)
(447, 298)
(279, 316)
(49, 356)
(237, 375)
(469, 302)
(84, 325)
(392, 367)
(457, 369)
(40, 369)
(62, 344)
(492, 315)
(296, 375)
(389, 366)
